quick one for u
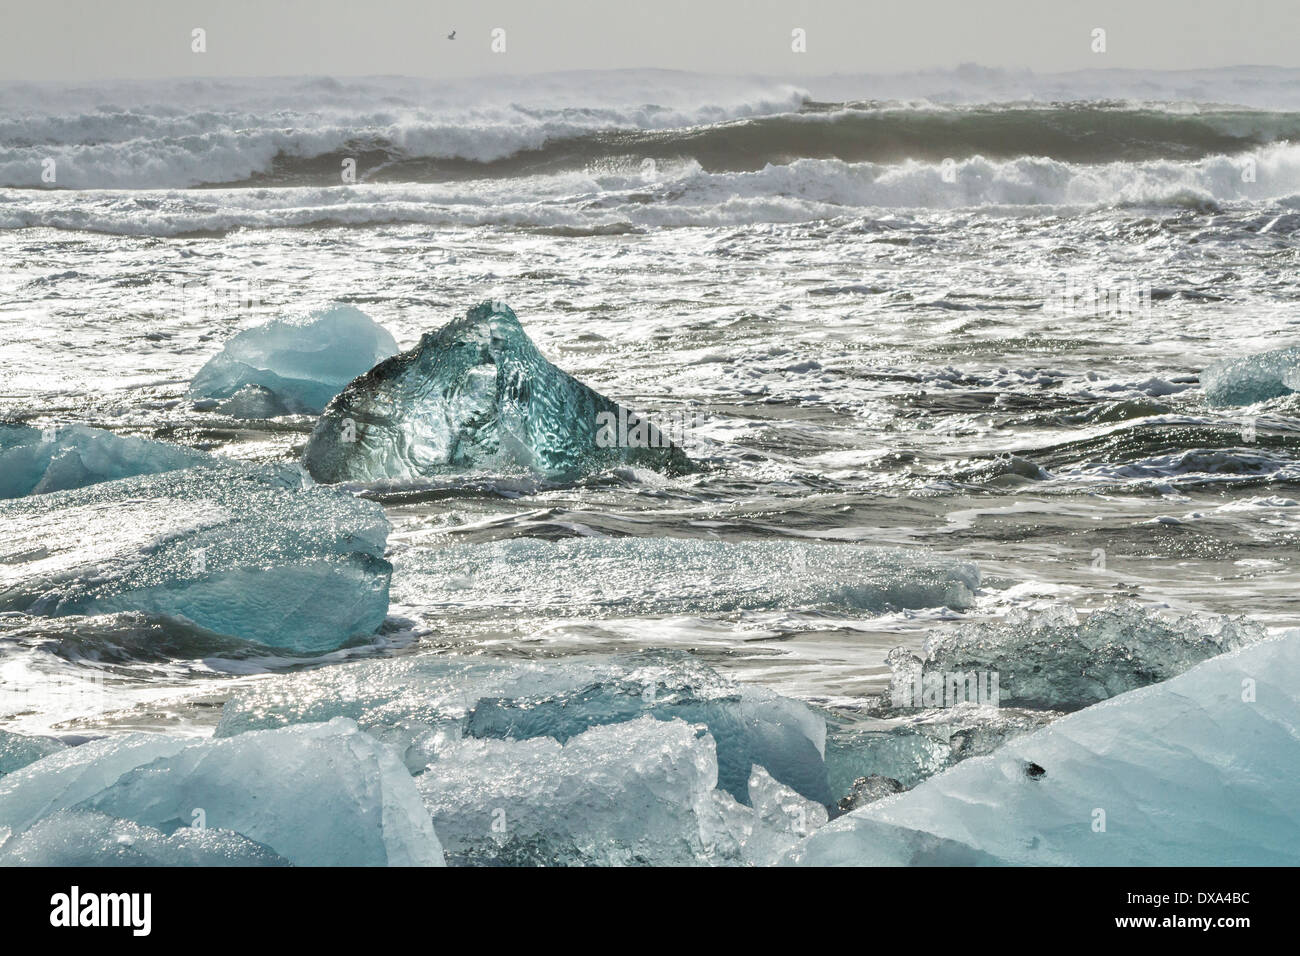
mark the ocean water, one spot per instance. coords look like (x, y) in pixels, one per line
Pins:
(960, 314)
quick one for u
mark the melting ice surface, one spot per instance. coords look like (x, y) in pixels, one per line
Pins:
(293, 365)
(415, 702)
(1051, 660)
(310, 795)
(477, 393)
(682, 576)
(649, 758)
(1252, 378)
(243, 550)
(35, 461)
(18, 750)
(1196, 771)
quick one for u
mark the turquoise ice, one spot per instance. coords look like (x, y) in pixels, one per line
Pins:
(1051, 659)
(35, 461)
(477, 394)
(248, 551)
(310, 795)
(18, 750)
(414, 702)
(1197, 771)
(293, 365)
(1252, 378)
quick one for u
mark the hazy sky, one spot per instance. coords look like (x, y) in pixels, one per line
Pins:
(84, 39)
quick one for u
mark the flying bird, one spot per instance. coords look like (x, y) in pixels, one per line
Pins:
(451, 35)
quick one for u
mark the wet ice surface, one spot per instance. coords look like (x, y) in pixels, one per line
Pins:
(1194, 771)
(889, 381)
(886, 381)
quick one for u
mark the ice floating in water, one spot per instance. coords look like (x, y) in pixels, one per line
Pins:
(414, 702)
(1196, 771)
(638, 792)
(1252, 378)
(634, 793)
(293, 365)
(310, 795)
(909, 747)
(34, 461)
(669, 576)
(477, 394)
(1050, 660)
(18, 750)
(241, 550)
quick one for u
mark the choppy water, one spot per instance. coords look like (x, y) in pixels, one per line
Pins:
(970, 325)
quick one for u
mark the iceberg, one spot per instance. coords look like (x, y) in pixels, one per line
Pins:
(35, 461)
(249, 551)
(18, 750)
(1051, 660)
(85, 838)
(1196, 771)
(293, 365)
(414, 703)
(638, 793)
(906, 747)
(1252, 378)
(310, 795)
(672, 576)
(477, 394)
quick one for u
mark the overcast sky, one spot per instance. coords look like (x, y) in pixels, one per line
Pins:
(85, 39)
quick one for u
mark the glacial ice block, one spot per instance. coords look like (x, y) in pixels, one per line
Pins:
(414, 702)
(35, 461)
(85, 838)
(293, 365)
(1252, 378)
(666, 576)
(1199, 770)
(242, 550)
(18, 750)
(313, 795)
(477, 394)
(1051, 660)
(639, 792)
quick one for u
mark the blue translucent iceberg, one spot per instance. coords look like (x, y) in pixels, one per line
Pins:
(477, 394)
(641, 792)
(242, 550)
(1252, 378)
(86, 838)
(1197, 771)
(310, 795)
(414, 702)
(18, 750)
(293, 365)
(1052, 660)
(34, 461)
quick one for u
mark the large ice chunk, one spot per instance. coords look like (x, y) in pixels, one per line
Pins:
(477, 394)
(415, 702)
(634, 793)
(908, 746)
(34, 461)
(313, 795)
(295, 364)
(242, 550)
(666, 576)
(85, 838)
(1051, 660)
(1252, 378)
(1196, 771)
(18, 750)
